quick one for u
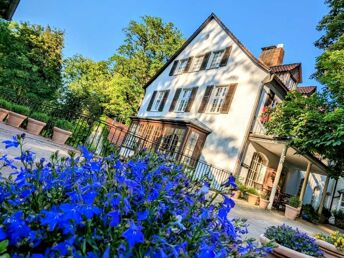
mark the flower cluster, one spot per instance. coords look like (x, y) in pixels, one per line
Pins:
(336, 239)
(89, 206)
(293, 239)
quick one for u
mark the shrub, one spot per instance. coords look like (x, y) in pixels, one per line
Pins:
(93, 206)
(308, 213)
(336, 239)
(5, 104)
(20, 109)
(40, 116)
(251, 190)
(64, 124)
(294, 202)
(339, 218)
(241, 187)
(293, 239)
(264, 195)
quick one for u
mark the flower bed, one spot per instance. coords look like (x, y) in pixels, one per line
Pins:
(90, 206)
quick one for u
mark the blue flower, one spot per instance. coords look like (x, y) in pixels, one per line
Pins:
(133, 235)
(14, 142)
(142, 215)
(106, 254)
(3, 234)
(115, 218)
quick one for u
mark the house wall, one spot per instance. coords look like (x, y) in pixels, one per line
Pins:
(228, 130)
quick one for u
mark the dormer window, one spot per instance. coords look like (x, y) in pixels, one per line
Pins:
(196, 64)
(217, 56)
(182, 66)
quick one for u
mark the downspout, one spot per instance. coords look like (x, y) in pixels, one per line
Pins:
(244, 146)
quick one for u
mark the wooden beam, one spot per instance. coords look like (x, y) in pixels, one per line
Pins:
(305, 182)
(323, 196)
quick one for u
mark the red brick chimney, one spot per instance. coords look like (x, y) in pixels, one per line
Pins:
(272, 55)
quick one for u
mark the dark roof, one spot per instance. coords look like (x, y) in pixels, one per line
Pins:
(288, 68)
(306, 90)
(7, 8)
(200, 28)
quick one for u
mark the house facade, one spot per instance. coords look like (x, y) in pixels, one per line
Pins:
(207, 104)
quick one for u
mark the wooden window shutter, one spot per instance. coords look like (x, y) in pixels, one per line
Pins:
(229, 97)
(151, 101)
(162, 104)
(174, 66)
(225, 57)
(192, 99)
(205, 61)
(205, 99)
(187, 68)
(175, 99)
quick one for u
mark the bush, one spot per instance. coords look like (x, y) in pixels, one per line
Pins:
(93, 206)
(251, 190)
(40, 116)
(294, 202)
(64, 124)
(339, 218)
(308, 213)
(20, 109)
(336, 239)
(241, 187)
(5, 104)
(293, 239)
(264, 195)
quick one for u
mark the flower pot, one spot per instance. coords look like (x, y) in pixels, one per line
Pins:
(330, 251)
(34, 126)
(15, 119)
(60, 136)
(291, 212)
(3, 114)
(236, 194)
(282, 251)
(263, 203)
(252, 198)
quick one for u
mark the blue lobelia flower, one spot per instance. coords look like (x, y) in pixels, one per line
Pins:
(14, 142)
(106, 254)
(3, 234)
(7, 162)
(86, 153)
(142, 215)
(115, 218)
(230, 182)
(133, 235)
(228, 202)
(206, 251)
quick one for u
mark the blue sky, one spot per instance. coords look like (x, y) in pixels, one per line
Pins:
(94, 28)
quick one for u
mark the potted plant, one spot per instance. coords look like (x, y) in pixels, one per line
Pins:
(308, 213)
(62, 131)
(290, 242)
(263, 200)
(339, 218)
(292, 210)
(17, 115)
(332, 245)
(241, 189)
(36, 122)
(252, 195)
(5, 106)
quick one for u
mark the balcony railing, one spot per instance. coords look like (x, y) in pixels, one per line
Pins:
(258, 127)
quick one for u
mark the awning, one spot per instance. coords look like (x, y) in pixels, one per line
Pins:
(275, 146)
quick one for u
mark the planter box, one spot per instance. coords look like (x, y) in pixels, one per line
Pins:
(34, 126)
(252, 199)
(60, 136)
(282, 251)
(236, 194)
(3, 114)
(291, 212)
(15, 119)
(263, 203)
(329, 250)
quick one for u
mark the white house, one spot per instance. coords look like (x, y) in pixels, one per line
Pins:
(205, 105)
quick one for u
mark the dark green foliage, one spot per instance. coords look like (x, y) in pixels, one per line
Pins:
(5, 104)
(30, 62)
(339, 218)
(64, 124)
(251, 190)
(308, 213)
(40, 116)
(20, 109)
(294, 202)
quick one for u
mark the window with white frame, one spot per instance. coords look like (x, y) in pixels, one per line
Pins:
(181, 66)
(196, 64)
(217, 56)
(183, 100)
(218, 98)
(158, 99)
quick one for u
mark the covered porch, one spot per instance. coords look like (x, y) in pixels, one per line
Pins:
(278, 170)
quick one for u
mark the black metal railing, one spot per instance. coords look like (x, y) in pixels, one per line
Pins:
(101, 136)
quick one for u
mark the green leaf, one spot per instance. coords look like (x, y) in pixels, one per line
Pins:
(3, 246)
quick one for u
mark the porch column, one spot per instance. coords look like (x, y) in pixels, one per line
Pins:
(305, 182)
(321, 206)
(278, 176)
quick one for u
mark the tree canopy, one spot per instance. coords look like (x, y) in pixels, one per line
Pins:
(30, 62)
(316, 123)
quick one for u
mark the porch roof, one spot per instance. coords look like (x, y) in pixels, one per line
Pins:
(275, 146)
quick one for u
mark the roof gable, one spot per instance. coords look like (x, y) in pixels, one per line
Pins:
(194, 35)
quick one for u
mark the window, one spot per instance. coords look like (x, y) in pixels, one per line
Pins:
(196, 64)
(218, 99)
(183, 100)
(217, 56)
(182, 66)
(158, 99)
(171, 141)
(190, 148)
(256, 172)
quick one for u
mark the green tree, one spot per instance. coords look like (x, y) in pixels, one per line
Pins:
(30, 62)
